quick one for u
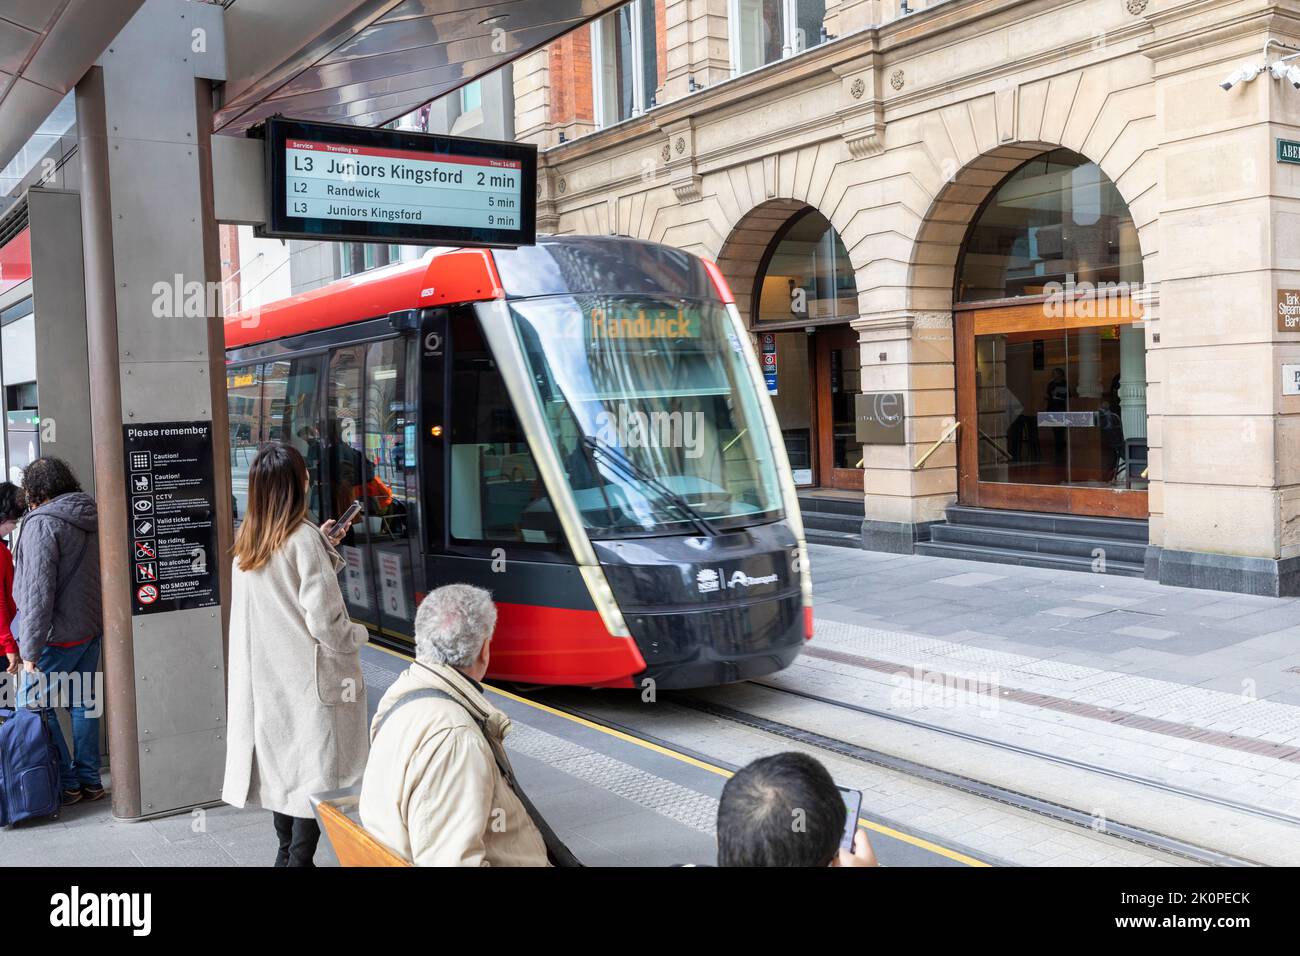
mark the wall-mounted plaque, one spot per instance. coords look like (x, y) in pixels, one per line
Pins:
(1288, 310)
(880, 418)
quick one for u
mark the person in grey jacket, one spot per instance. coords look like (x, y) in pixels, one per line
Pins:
(60, 619)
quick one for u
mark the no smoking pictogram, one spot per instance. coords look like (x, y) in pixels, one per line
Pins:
(146, 594)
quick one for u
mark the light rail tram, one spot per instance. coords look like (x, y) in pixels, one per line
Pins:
(579, 426)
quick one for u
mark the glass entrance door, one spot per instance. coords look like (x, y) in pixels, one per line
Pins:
(1053, 410)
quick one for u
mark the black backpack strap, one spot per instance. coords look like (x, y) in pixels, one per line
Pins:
(556, 851)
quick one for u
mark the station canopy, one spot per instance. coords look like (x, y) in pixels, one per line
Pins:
(360, 62)
(367, 63)
(45, 49)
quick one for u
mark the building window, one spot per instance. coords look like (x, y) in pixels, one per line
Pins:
(624, 62)
(808, 275)
(764, 31)
(1057, 217)
(357, 257)
(21, 397)
(471, 97)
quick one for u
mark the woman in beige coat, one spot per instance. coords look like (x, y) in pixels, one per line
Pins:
(297, 702)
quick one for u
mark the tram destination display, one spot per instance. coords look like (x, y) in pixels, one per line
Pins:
(171, 501)
(395, 186)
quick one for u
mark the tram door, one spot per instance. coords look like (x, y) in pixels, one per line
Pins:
(290, 410)
(369, 451)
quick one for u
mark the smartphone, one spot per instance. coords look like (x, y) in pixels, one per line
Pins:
(345, 519)
(852, 809)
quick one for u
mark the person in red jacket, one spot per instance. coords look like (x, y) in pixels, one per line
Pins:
(12, 507)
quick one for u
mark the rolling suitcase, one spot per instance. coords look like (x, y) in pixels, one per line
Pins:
(29, 767)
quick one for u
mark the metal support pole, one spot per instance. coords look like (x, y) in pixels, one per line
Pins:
(216, 355)
(106, 426)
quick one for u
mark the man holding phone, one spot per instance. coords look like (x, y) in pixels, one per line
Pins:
(785, 810)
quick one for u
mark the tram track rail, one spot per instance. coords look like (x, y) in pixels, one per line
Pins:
(1173, 789)
(1062, 813)
(1150, 839)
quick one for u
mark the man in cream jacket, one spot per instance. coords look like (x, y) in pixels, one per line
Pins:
(433, 790)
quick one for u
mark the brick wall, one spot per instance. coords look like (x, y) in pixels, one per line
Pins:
(571, 109)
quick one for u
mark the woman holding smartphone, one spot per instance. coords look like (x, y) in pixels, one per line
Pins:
(297, 703)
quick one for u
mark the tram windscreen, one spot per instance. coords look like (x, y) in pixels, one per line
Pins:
(651, 410)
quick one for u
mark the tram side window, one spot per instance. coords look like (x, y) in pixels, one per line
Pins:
(243, 407)
(496, 491)
(291, 403)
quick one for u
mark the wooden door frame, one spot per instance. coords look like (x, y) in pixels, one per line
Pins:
(1061, 499)
(828, 476)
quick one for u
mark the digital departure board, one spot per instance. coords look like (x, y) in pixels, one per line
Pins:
(380, 185)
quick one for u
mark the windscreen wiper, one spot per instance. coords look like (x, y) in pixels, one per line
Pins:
(629, 467)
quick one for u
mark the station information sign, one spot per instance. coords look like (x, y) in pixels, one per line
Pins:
(381, 185)
(171, 500)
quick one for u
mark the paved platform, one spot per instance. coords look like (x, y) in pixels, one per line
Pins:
(1196, 690)
(1235, 643)
(615, 801)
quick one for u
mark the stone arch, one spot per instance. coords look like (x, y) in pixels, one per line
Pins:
(964, 151)
(937, 249)
(741, 208)
(744, 247)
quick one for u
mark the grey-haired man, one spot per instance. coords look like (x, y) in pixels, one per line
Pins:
(436, 788)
